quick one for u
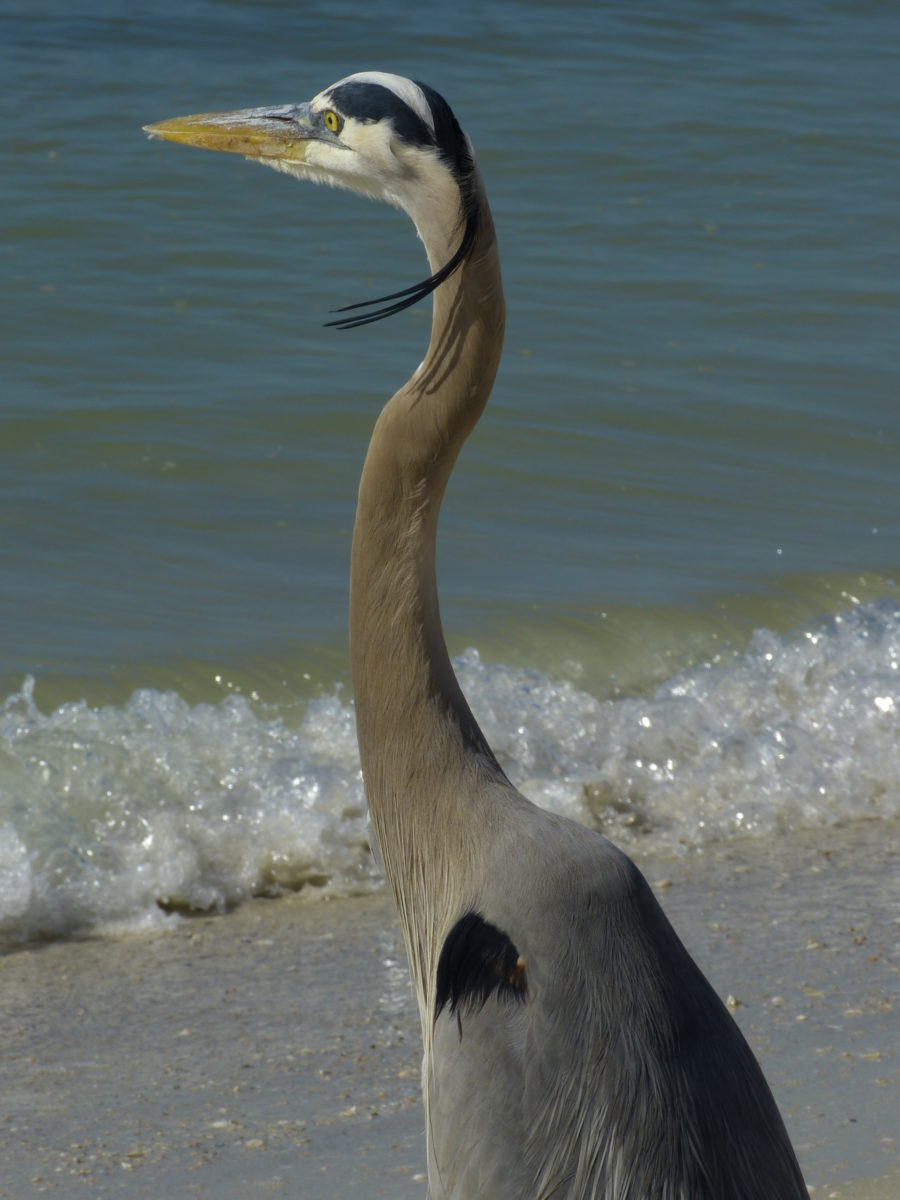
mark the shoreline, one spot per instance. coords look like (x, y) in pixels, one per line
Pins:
(275, 1051)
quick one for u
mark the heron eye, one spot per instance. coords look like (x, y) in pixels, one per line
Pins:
(332, 121)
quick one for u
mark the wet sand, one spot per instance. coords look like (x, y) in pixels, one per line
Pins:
(275, 1051)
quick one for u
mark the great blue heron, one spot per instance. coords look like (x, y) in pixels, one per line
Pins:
(572, 1048)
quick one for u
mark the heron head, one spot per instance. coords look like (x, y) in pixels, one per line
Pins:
(377, 134)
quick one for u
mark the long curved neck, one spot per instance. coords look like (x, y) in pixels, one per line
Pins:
(420, 747)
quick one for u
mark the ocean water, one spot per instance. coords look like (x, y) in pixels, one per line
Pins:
(123, 814)
(667, 555)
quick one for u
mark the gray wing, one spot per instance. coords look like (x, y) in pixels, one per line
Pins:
(613, 1072)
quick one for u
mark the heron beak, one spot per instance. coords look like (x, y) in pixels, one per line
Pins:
(282, 132)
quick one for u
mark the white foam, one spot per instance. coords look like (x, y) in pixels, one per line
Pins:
(795, 732)
(125, 809)
(122, 814)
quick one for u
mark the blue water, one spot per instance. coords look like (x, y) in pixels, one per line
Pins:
(695, 432)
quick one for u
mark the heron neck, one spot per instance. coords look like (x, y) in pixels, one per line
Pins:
(420, 746)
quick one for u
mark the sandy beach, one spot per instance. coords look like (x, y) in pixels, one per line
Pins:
(274, 1051)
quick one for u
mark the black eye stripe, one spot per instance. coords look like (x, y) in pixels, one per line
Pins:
(371, 102)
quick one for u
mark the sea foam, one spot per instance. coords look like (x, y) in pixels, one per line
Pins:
(121, 816)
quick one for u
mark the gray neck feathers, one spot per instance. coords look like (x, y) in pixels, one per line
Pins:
(421, 750)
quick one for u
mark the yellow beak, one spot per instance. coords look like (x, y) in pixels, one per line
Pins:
(279, 132)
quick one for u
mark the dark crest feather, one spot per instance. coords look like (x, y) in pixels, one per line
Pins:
(408, 296)
(451, 145)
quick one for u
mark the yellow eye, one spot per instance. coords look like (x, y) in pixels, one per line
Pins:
(332, 121)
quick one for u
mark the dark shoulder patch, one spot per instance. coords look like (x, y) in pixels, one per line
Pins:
(477, 961)
(374, 102)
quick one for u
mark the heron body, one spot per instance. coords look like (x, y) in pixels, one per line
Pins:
(572, 1048)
